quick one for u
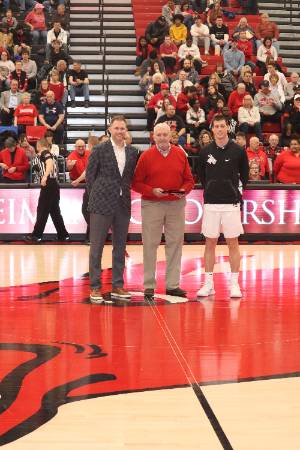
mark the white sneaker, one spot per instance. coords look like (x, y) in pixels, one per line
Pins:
(206, 290)
(235, 291)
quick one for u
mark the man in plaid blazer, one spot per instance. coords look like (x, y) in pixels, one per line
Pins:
(108, 177)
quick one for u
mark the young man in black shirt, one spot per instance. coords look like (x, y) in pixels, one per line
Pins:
(48, 204)
(222, 166)
(79, 84)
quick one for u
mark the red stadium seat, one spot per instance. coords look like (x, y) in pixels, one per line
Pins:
(34, 133)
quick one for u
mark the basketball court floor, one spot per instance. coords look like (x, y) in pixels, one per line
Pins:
(173, 374)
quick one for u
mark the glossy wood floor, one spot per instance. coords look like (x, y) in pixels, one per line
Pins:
(175, 374)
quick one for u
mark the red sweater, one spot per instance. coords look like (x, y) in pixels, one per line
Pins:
(81, 163)
(157, 100)
(246, 48)
(287, 167)
(235, 101)
(58, 90)
(156, 171)
(20, 162)
(26, 114)
(182, 102)
(263, 160)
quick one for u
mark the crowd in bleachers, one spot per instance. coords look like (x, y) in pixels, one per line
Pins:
(199, 58)
(36, 74)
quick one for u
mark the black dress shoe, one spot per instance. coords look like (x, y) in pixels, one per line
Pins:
(32, 238)
(178, 292)
(64, 239)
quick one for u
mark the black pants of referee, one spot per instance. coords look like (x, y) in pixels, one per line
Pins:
(48, 204)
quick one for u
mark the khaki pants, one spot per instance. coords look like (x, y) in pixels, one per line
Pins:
(156, 217)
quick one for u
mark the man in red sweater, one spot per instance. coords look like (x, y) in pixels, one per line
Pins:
(254, 151)
(235, 100)
(14, 162)
(164, 178)
(77, 160)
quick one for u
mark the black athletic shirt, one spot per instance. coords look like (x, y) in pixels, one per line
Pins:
(220, 171)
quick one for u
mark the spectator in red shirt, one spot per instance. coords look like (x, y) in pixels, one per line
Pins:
(56, 86)
(14, 162)
(183, 99)
(168, 52)
(156, 102)
(287, 164)
(77, 160)
(25, 114)
(235, 100)
(266, 28)
(254, 151)
(37, 22)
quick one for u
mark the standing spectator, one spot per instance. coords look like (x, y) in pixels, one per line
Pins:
(178, 31)
(249, 117)
(77, 160)
(235, 100)
(169, 10)
(108, 177)
(200, 34)
(142, 52)
(25, 113)
(266, 28)
(14, 162)
(79, 84)
(219, 35)
(287, 164)
(21, 77)
(163, 169)
(222, 166)
(29, 66)
(45, 168)
(268, 103)
(256, 152)
(156, 31)
(52, 116)
(168, 53)
(37, 22)
(9, 102)
(234, 59)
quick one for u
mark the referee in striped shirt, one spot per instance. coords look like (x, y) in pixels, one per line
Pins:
(45, 167)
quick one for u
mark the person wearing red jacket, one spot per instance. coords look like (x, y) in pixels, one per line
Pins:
(235, 100)
(287, 164)
(156, 103)
(14, 162)
(245, 46)
(255, 152)
(183, 100)
(163, 177)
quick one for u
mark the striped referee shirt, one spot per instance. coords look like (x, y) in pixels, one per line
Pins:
(39, 165)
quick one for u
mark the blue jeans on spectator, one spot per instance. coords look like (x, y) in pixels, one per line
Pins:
(6, 4)
(39, 36)
(82, 90)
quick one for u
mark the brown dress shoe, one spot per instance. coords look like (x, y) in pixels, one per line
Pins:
(120, 293)
(96, 296)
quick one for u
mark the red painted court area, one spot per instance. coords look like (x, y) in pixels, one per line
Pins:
(57, 348)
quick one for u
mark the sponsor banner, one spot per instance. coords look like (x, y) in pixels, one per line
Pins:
(263, 211)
